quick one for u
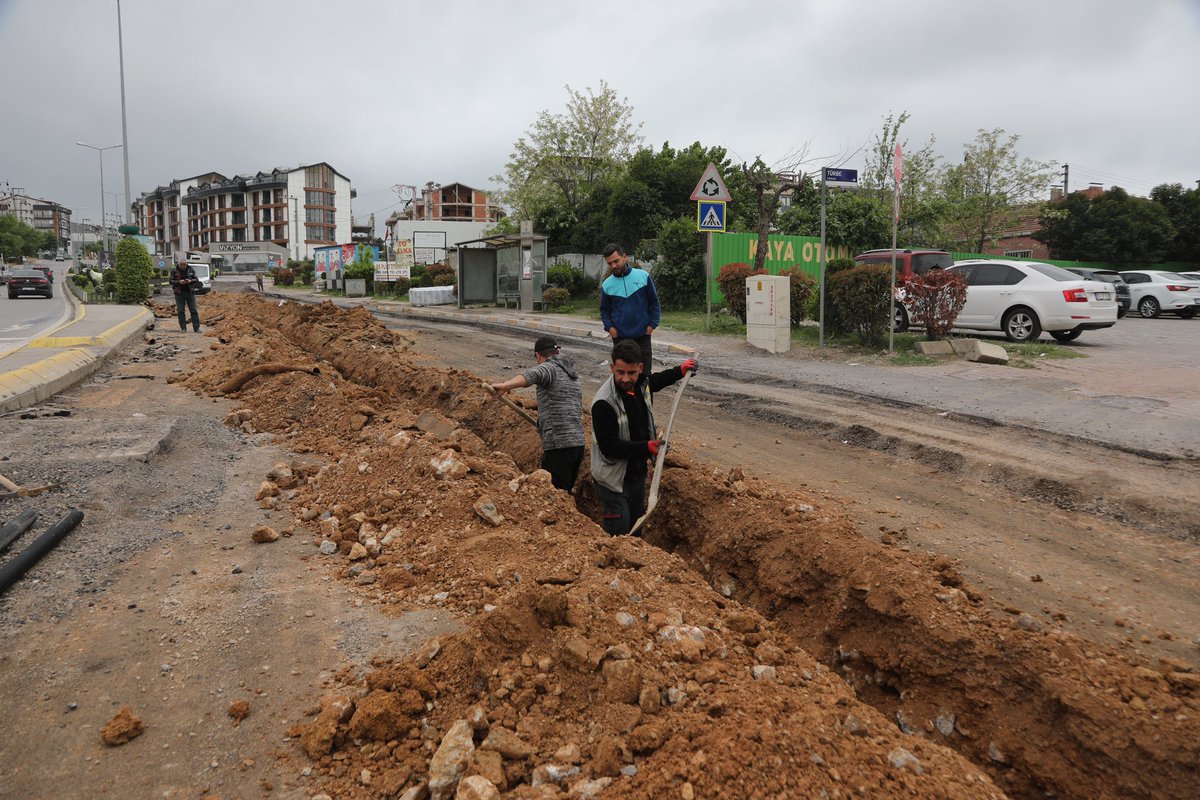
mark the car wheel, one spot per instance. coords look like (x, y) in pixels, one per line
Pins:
(1066, 336)
(1188, 313)
(1149, 308)
(900, 321)
(1121, 312)
(1020, 324)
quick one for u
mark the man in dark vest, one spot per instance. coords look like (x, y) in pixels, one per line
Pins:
(185, 283)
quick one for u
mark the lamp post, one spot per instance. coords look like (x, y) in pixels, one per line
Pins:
(103, 221)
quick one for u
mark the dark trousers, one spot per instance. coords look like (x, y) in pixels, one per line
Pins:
(190, 299)
(619, 510)
(647, 354)
(563, 465)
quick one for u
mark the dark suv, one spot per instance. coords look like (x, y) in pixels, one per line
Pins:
(909, 262)
(1108, 276)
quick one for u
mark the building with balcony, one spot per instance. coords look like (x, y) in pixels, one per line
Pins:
(442, 216)
(294, 210)
(41, 215)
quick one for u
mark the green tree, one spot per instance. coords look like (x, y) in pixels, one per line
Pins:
(678, 256)
(134, 270)
(854, 219)
(19, 239)
(1113, 228)
(991, 187)
(1183, 209)
(923, 206)
(563, 157)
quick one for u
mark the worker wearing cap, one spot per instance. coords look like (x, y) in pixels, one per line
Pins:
(560, 410)
(623, 434)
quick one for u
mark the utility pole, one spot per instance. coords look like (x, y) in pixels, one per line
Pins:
(124, 127)
(1066, 175)
(296, 224)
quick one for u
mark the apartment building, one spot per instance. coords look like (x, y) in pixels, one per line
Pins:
(41, 215)
(294, 209)
(441, 217)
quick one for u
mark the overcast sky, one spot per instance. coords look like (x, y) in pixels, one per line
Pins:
(406, 92)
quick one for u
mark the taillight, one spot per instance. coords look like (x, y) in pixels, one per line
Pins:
(1075, 295)
(1175, 287)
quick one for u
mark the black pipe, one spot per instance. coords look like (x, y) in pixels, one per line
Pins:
(20, 523)
(11, 572)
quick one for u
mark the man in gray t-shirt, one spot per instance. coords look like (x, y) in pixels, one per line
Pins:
(560, 410)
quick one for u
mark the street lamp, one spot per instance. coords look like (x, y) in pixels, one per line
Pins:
(100, 151)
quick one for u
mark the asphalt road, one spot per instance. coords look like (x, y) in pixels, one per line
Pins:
(26, 318)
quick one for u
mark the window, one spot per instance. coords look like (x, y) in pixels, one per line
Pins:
(1135, 277)
(997, 275)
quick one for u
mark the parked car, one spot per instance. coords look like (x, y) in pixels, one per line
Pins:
(29, 282)
(204, 273)
(1107, 276)
(1023, 298)
(1154, 292)
(909, 262)
(1191, 276)
(45, 270)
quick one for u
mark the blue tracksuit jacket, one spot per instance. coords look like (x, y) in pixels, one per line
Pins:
(629, 303)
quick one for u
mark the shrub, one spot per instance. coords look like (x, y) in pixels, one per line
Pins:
(425, 281)
(133, 271)
(803, 286)
(401, 285)
(442, 275)
(305, 271)
(589, 287)
(565, 275)
(936, 297)
(284, 277)
(554, 297)
(858, 301)
(732, 280)
(838, 265)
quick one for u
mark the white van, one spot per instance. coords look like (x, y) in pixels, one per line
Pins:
(204, 274)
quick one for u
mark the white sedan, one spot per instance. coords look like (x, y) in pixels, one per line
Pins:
(1153, 292)
(1023, 298)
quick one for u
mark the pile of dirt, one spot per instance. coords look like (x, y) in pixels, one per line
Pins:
(754, 644)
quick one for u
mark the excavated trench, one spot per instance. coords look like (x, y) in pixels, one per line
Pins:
(1042, 712)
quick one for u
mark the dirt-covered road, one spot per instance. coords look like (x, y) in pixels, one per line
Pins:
(822, 607)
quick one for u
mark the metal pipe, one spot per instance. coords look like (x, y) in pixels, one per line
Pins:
(11, 572)
(19, 524)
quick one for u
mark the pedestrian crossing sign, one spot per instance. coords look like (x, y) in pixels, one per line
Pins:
(710, 216)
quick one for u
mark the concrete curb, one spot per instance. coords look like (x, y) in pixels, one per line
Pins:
(37, 382)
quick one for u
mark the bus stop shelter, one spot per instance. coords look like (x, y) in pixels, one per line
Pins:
(508, 268)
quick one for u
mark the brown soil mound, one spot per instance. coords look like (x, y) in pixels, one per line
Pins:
(761, 649)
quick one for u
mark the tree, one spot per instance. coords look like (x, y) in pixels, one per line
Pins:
(768, 186)
(563, 157)
(991, 186)
(854, 219)
(1112, 228)
(1183, 209)
(19, 239)
(923, 207)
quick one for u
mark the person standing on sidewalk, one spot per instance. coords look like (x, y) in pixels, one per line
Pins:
(629, 307)
(184, 283)
(560, 410)
(623, 434)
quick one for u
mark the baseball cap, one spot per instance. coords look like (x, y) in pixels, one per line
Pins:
(545, 344)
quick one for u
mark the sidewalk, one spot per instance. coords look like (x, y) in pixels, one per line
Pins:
(53, 363)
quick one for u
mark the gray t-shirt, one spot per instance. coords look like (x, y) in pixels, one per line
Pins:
(560, 402)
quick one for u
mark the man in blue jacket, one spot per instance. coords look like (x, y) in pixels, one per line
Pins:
(629, 306)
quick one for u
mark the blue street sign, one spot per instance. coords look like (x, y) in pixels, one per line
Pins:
(710, 216)
(838, 176)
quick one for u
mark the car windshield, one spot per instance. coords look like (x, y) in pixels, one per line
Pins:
(201, 270)
(1051, 271)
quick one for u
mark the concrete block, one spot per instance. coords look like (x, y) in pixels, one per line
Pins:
(939, 348)
(986, 353)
